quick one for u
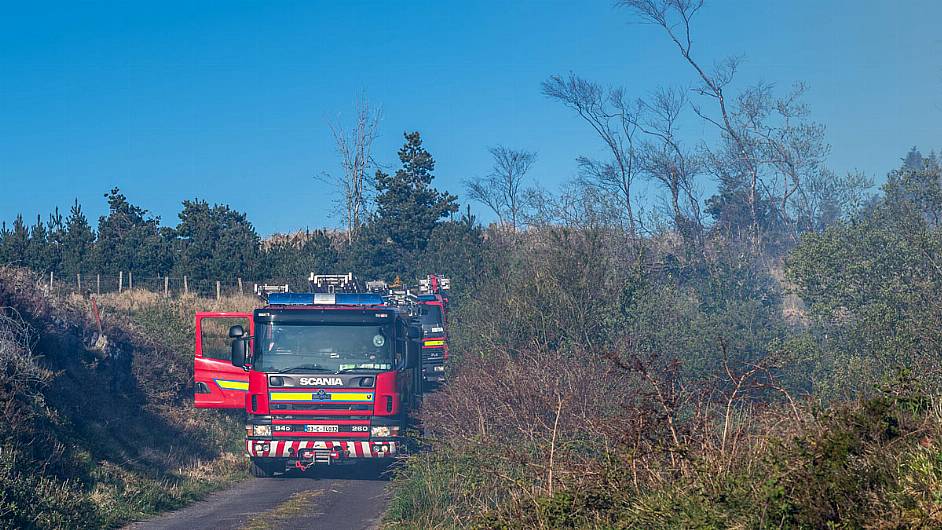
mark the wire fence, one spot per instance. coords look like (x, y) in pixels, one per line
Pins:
(97, 283)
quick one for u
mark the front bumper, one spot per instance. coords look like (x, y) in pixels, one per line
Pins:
(308, 449)
(433, 373)
(433, 365)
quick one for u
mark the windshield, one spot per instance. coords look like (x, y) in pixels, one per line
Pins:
(431, 317)
(322, 347)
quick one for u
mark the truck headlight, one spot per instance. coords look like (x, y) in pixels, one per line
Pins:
(261, 430)
(384, 431)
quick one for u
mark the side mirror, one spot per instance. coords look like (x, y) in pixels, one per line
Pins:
(238, 352)
(236, 332)
(415, 332)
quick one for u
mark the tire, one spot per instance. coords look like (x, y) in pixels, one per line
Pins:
(266, 467)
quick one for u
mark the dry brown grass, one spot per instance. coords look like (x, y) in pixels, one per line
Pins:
(130, 300)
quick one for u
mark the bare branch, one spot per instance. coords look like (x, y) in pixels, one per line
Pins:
(354, 147)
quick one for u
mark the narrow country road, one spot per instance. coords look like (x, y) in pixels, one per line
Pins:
(336, 498)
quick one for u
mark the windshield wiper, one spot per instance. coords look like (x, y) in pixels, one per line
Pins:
(315, 367)
(345, 370)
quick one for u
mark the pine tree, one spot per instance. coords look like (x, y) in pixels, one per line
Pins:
(37, 253)
(77, 242)
(55, 229)
(913, 160)
(214, 242)
(4, 239)
(374, 255)
(456, 249)
(130, 240)
(409, 208)
(16, 243)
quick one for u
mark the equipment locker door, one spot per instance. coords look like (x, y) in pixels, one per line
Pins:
(218, 384)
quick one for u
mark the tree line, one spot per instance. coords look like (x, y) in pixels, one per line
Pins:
(216, 242)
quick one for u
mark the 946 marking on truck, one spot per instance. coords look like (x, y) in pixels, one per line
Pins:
(320, 381)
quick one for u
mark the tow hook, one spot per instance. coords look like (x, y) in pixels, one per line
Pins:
(318, 456)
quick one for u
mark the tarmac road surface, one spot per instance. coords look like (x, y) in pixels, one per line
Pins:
(339, 497)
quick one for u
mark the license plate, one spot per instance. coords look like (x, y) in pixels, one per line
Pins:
(321, 428)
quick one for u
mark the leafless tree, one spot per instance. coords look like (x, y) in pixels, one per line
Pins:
(615, 120)
(767, 141)
(674, 17)
(666, 161)
(502, 190)
(354, 145)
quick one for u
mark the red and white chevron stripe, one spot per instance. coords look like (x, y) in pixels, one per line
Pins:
(291, 448)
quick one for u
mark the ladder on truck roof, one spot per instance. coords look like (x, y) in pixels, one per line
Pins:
(262, 291)
(334, 283)
(434, 284)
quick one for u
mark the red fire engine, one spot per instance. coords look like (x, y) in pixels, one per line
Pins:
(434, 320)
(325, 377)
(430, 295)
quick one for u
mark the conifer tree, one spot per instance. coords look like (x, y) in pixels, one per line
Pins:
(4, 239)
(77, 242)
(17, 243)
(409, 207)
(37, 252)
(214, 243)
(55, 234)
(130, 240)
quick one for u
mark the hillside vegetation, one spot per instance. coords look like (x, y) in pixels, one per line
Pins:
(96, 433)
(712, 329)
(605, 381)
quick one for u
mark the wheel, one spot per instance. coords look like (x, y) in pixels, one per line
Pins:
(266, 467)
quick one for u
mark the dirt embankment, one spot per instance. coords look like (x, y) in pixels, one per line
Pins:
(100, 431)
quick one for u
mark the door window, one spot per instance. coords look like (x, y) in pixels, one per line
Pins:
(214, 336)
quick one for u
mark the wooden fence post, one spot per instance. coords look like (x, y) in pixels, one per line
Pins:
(218, 293)
(166, 286)
(186, 286)
(98, 284)
(120, 281)
(130, 281)
(78, 281)
(51, 279)
(240, 287)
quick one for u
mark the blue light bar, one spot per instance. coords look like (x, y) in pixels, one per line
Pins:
(427, 298)
(359, 299)
(325, 299)
(291, 298)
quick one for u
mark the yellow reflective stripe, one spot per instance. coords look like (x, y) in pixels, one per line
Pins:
(232, 385)
(311, 396)
(292, 396)
(351, 396)
(434, 343)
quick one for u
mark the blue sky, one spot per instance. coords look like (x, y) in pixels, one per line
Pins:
(229, 101)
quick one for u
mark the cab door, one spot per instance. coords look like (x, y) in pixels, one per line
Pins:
(218, 384)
